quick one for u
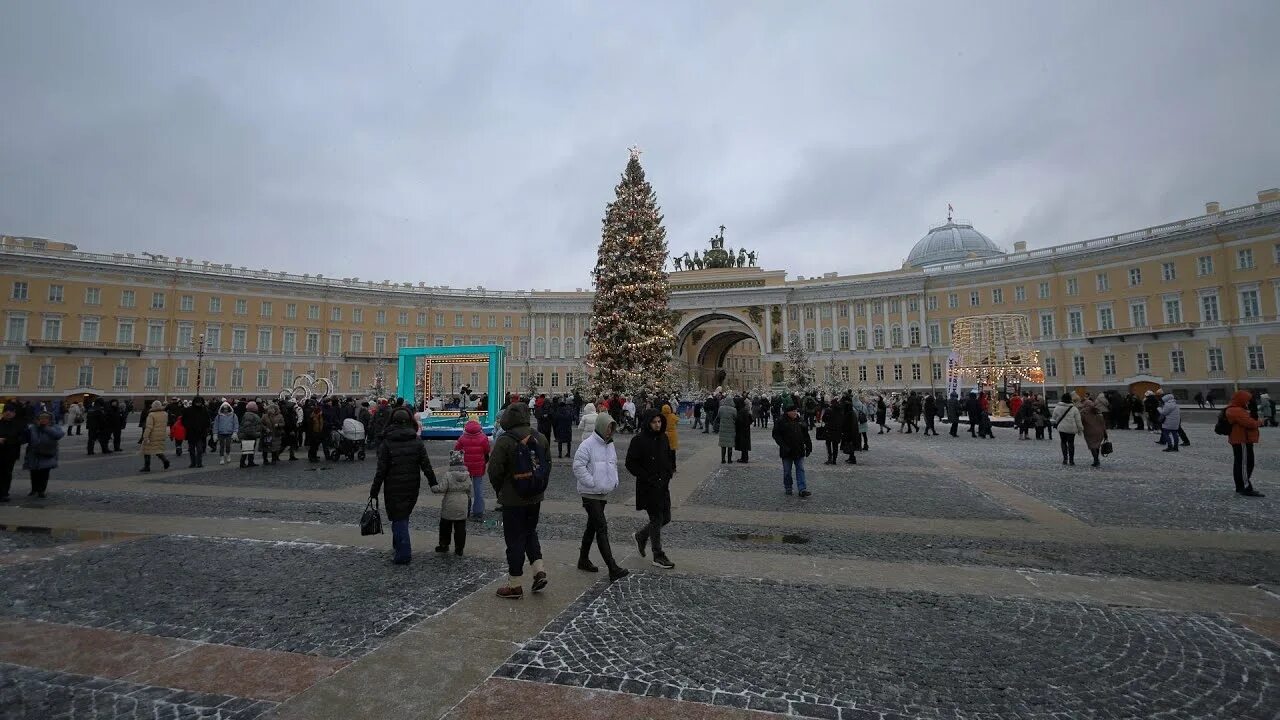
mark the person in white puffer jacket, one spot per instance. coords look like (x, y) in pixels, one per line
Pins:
(587, 424)
(595, 467)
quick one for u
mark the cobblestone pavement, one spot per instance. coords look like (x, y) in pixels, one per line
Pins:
(847, 490)
(12, 539)
(293, 597)
(1189, 564)
(30, 693)
(821, 652)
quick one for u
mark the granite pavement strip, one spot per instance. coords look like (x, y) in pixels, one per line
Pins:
(490, 632)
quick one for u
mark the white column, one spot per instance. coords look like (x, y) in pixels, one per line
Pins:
(577, 336)
(768, 329)
(853, 337)
(906, 325)
(835, 331)
(924, 324)
(563, 321)
(884, 311)
(786, 331)
(533, 330)
(871, 338)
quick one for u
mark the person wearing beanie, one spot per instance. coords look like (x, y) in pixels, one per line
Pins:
(402, 461)
(794, 445)
(519, 512)
(155, 435)
(1243, 436)
(595, 467)
(250, 433)
(456, 503)
(225, 427)
(475, 456)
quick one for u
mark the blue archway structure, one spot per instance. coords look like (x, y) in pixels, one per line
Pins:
(450, 425)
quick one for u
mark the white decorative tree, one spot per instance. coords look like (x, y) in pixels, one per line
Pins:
(799, 370)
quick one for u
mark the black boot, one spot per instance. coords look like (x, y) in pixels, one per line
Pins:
(146, 463)
(616, 571)
(165, 460)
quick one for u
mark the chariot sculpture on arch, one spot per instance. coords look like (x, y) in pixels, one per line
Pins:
(715, 257)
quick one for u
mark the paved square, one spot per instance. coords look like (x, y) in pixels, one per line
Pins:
(822, 652)
(847, 490)
(295, 597)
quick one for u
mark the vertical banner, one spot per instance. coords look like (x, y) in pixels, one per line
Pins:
(953, 377)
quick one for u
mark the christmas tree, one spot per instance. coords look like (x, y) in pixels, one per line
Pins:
(631, 337)
(799, 371)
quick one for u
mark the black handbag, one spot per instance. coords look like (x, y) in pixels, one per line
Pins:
(1106, 448)
(371, 519)
(821, 432)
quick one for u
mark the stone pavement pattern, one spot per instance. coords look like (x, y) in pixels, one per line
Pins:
(938, 578)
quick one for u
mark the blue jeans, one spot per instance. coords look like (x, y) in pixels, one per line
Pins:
(787, 465)
(477, 495)
(400, 540)
(1169, 437)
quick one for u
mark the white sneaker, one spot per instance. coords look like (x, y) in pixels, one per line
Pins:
(223, 461)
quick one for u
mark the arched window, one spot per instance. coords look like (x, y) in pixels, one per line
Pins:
(862, 338)
(895, 336)
(569, 347)
(810, 340)
(844, 338)
(826, 338)
(555, 347)
(915, 334)
(877, 337)
(540, 348)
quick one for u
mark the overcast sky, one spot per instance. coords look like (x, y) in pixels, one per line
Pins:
(479, 145)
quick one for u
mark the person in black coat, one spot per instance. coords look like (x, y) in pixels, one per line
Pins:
(881, 411)
(649, 460)
(742, 429)
(402, 459)
(97, 426)
(562, 427)
(793, 447)
(833, 422)
(973, 408)
(930, 412)
(196, 421)
(712, 408)
(12, 434)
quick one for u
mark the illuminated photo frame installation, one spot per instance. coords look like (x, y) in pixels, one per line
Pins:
(450, 424)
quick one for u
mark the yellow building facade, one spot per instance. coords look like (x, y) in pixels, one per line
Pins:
(1191, 305)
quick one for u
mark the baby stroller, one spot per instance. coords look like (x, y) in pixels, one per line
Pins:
(628, 424)
(351, 439)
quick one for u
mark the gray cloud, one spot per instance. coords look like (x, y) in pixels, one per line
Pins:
(479, 144)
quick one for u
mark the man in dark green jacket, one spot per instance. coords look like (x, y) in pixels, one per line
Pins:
(519, 514)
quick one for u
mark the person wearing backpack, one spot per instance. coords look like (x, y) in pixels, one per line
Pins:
(1242, 433)
(595, 468)
(519, 468)
(42, 452)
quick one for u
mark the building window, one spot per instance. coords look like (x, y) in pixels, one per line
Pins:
(1073, 286)
(914, 335)
(45, 380)
(128, 299)
(357, 342)
(55, 293)
(459, 320)
(1135, 277)
(1249, 308)
(1275, 254)
(89, 330)
(237, 378)
(186, 303)
(210, 377)
(974, 298)
(1106, 320)
(1075, 322)
(895, 336)
(335, 314)
(997, 296)
(1044, 291)
(1077, 365)
(181, 377)
(52, 328)
(935, 334)
(1138, 314)
(937, 371)
(239, 337)
(313, 312)
(440, 320)
(1244, 259)
(402, 342)
(93, 296)
(151, 379)
(953, 300)
(915, 371)
(286, 377)
(1108, 364)
(357, 315)
(20, 290)
(213, 338)
(879, 373)
(1209, 308)
(810, 340)
(1020, 293)
(1142, 362)
(897, 371)
(215, 305)
(85, 377)
(1050, 367)
(1104, 282)
(263, 378)
(264, 309)
(912, 304)
(380, 317)
(1257, 361)
(121, 379)
(1172, 310)
(1215, 360)
(861, 338)
(10, 375)
(355, 376)
(932, 302)
(242, 307)
(17, 331)
(1204, 265)
(1177, 362)
(506, 322)
(808, 309)
(380, 344)
(1046, 325)
(1168, 271)
(877, 337)
(264, 341)
(555, 379)
(844, 310)
(421, 319)
(157, 301)
(862, 373)
(826, 338)
(291, 311)
(335, 343)
(475, 322)
(185, 336)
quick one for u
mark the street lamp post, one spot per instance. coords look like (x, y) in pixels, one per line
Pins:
(199, 361)
(929, 350)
